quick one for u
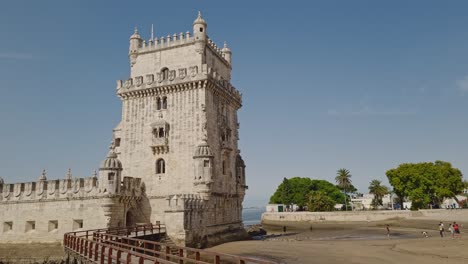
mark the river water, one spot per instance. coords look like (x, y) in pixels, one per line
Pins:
(252, 215)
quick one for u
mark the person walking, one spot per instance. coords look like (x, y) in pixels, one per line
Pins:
(441, 229)
(456, 228)
(388, 231)
(452, 231)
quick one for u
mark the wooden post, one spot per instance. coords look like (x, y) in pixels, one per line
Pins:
(96, 252)
(119, 255)
(217, 260)
(168, 252)
(197, 255)
(129, 258)
(109, 256)
(181, 255)
(103, 255)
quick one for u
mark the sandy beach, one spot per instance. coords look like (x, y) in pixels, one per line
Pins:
(357, 244)
(364, 243)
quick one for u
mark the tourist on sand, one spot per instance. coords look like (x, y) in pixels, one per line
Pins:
(452, 231)
(456, 229)
(388, 231)
(425, 234)
(441, 229)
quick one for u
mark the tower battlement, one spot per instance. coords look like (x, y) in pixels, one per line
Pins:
(178, 79)
(64, 189)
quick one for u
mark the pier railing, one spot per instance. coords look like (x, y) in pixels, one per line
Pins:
(121, 245)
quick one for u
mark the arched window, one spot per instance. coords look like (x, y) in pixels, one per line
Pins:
(165, 73)
(160, 166)
(158, 103)
(224, 167)
(164, 102)
(161, 132)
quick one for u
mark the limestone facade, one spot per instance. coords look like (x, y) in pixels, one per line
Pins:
(174, 156)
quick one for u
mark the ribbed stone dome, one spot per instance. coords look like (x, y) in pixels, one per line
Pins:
(225, 48)
(135, 35)
(111, 162)
(203, 150)
(199, 20)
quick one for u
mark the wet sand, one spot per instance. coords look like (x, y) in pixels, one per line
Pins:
(356, 244)
(322, 243)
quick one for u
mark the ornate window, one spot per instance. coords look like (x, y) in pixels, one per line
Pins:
(158, 103)
(165, 73)
(164, 102)
(161, 132)
(160, 166)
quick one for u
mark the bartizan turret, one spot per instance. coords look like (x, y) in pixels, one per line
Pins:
(199, 33)
(110, 174)
(135, 43)
(227, 53)
(203, 157)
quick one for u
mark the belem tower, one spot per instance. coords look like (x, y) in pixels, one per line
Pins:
(174, 156)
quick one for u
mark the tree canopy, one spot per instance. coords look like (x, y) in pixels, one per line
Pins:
(296, 191)
(379, 191)
(425, 183)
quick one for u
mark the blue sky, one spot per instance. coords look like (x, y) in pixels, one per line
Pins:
(364, 85)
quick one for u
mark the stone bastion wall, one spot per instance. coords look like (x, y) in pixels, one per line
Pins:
(363, 216)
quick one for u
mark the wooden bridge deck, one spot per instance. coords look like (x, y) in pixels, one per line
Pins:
(122, 245)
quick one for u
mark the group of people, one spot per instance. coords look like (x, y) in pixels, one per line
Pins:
(454, 230)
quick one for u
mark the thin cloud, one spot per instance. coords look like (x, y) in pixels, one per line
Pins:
(15, 56)
(367, 111)
(463, 85)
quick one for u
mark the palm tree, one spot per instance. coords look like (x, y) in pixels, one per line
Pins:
(379, 191)
(343, 180)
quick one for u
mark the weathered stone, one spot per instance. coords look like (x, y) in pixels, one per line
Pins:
(174, 157)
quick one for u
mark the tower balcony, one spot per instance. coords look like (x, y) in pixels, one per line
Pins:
(160, 145)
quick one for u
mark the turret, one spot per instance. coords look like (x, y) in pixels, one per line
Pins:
(199, 32)
(227, 53)
(43, 176)
(203, 157)
(135, 43)
(110, 173)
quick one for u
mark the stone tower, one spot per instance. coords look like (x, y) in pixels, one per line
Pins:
(179, 134)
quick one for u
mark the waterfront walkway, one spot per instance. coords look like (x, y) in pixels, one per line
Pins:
(124, 245)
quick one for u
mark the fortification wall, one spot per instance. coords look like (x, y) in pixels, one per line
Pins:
(43, 211)
(48, 220)
(363, 216)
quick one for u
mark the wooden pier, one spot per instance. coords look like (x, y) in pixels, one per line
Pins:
(125, 245)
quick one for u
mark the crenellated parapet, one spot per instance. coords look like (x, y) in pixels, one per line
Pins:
(49, 190)
(169, 41)
(178, 79)
(76, 188)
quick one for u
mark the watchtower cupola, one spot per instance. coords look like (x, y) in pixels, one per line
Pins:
(199, 28)
(109, 173)
(135, 43)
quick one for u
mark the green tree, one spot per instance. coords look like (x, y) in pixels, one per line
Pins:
(296, 191)
(343, 180)
(319, 201)
(379, 191)
(425, 183)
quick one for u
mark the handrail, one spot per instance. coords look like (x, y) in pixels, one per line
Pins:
(101, 245)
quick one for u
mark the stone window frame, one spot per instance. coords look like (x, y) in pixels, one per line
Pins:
(7, 226)
(77, 224)
(53, 225)
(160, 166)
(164, 103)
(165, 73)
(30, 226)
